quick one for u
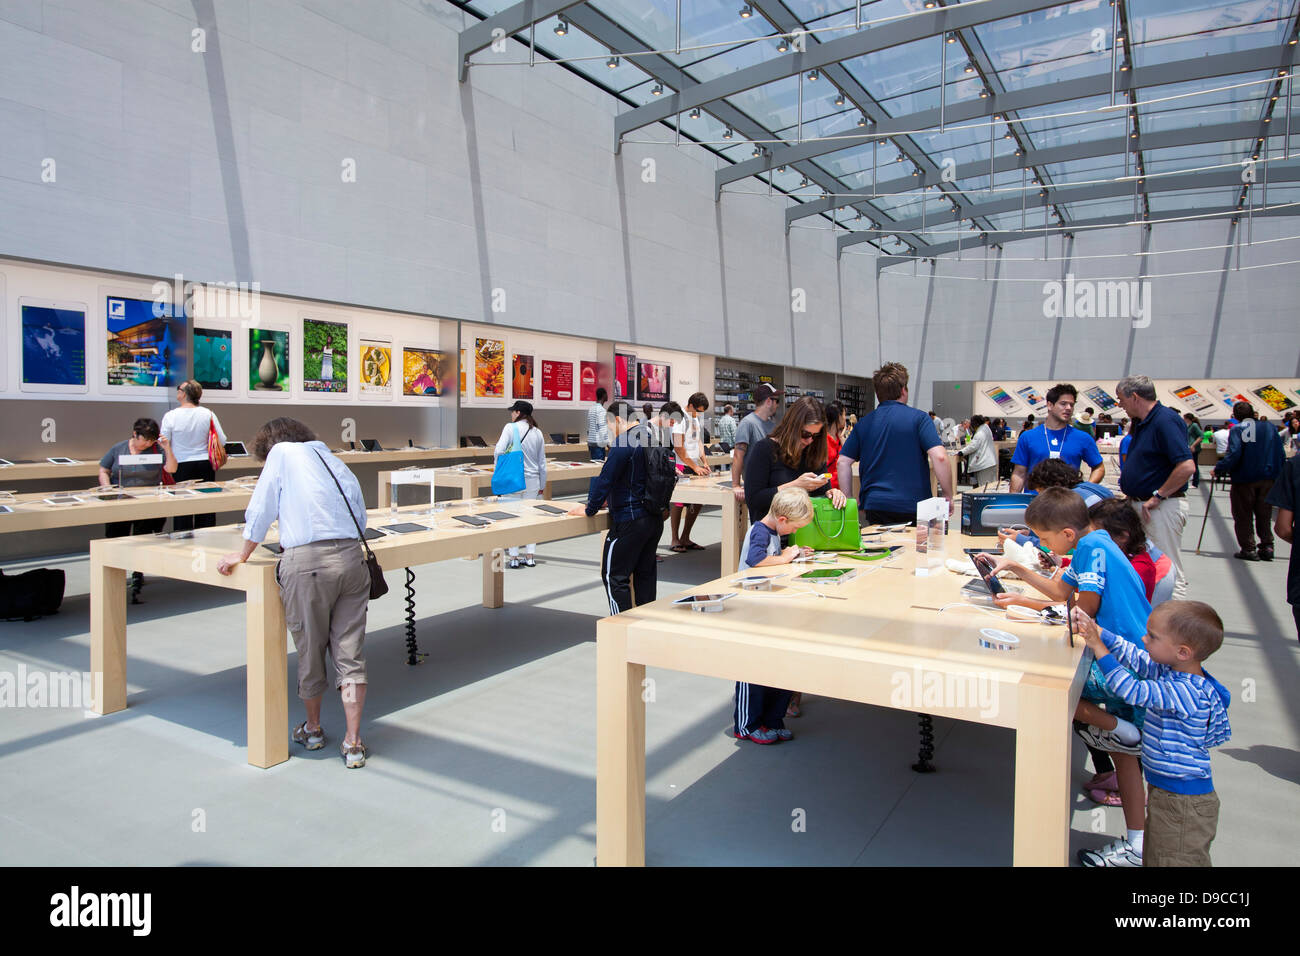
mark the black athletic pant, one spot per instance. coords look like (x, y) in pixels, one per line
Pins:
(627, 562)
(758, 706)
(872, 516)
(121, 529)
(187, 471)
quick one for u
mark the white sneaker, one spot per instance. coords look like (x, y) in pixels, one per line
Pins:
(1119, 853)
(1108, 740)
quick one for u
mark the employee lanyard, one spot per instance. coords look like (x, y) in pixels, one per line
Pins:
(1052, 450)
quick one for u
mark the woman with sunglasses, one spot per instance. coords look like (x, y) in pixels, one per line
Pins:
(794, 456)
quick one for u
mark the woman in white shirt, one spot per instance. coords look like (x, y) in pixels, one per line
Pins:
(187, 429)
(983, 458)
(533, 444)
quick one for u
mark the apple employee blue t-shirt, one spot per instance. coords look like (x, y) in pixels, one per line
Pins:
(1101, 567)
(890, 446)
(1068, 444)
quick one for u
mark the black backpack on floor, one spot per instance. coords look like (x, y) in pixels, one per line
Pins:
(32, 594)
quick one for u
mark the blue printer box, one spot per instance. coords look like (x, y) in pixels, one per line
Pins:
(982, 513)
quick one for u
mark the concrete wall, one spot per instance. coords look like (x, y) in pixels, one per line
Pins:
(228, 165)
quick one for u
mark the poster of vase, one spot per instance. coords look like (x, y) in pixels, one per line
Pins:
(324, 356)
(521, 381)
(376, 368)
(652, 381)
(425, 371)
(268, 360)
(489, 368)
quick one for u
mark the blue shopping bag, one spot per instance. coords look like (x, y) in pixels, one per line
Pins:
(508, 475)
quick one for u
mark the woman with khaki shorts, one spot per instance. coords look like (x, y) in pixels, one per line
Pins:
(324, 583)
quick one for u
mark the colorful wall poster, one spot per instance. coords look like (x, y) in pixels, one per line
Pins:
(590, 378)
(324, 356)
(521, 381)
(652, 381)
(624, 375)
(376, 368)
(462, 372)
(557, 381)
(214, 351)
(268, 360)
(489, 368)
(146, 343)
(54, 346)
(425, 371)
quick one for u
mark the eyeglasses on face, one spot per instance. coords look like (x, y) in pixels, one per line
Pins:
(806, 435)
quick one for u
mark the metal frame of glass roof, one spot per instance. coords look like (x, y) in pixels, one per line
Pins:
(1072, 96)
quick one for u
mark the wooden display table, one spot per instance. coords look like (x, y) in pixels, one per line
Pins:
(32, 513)
(889, 635)
(474, 480)
(718, 491)
(195, 559)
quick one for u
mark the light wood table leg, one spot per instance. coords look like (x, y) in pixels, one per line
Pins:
(107, 635)
(494, 578)
(268, 705)
(384, 483)
(733, 533)
(620, 750)
(1042, 809)
(548, 492)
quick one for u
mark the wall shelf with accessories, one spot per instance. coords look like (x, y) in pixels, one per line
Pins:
(734, 382)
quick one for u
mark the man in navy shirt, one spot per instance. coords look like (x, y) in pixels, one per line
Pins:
(1156, 470)
(895, 445)
(1055, 438)
(1254, 461)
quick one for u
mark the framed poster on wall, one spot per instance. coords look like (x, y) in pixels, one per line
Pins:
(489, 368)
(521, 381)
(624, 375)
(268, 361)
(324, 356)
(590, 375)
(462, 373)
(145, 344)
(214, 356)
(426, 371)
(557, 381)
(653, 380)
(53, 355)
(376, 380)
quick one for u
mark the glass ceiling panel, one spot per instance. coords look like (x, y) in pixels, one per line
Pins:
(1086, 170)
(1099, 209)
(774, 105)
(1168, 30)
(1193, 199)
(1196, 105)
(905, 75)
(1075, 121)
(1196, 156)
(1047, 45)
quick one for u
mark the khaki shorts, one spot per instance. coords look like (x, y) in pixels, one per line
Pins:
(325, 589)
(1180, 828)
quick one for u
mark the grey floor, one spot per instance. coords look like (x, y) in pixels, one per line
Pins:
(485, 754)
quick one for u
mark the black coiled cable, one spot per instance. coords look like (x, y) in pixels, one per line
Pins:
(413, 655)
(926, 750)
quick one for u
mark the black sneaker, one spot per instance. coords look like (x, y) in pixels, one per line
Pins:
(1266, 554)
(1247, 555)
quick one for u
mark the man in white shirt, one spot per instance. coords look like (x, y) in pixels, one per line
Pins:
(322, 573)
(1221, 439)
(597, 436)
(688, 444)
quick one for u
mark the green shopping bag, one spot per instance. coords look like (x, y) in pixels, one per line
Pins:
(831, 529)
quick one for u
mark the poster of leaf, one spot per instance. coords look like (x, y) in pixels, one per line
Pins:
(489, 368)
(376, 368)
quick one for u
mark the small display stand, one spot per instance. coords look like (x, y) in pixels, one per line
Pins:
(931, 522)
(414, 476)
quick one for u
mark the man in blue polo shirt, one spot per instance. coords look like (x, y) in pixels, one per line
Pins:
(1157, 469)
(1055, 438)
(895, 445)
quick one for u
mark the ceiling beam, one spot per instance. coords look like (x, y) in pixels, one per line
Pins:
(510, 21)
(1043, 94)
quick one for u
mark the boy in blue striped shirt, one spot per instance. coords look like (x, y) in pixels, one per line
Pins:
(1186, 715)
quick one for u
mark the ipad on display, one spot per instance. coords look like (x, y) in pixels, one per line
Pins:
(497, 515)
(405, 527)
(53, 357)
(472, 520)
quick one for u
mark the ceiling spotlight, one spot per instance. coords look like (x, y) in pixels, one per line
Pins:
(916, 171)
(803, 181)
(726, 133)
(695, 113)
(1020, 152)
(612, 63)
(951, 38)
(562, 28)
(839, 98)
(1119, 38)
(783, 45)
(1125, 66)
(969, 68)
(1133, 135)
(813, 75)
(930, 4)
(657, 90)
(862, 119)
(746, 12)
(984, 94)
(1294, 38)
(1007, 135)
(758, 151)
(898, 158)
(1281, 72)
(780, 169)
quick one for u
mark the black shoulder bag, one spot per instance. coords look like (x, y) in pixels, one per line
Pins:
(378, 586)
